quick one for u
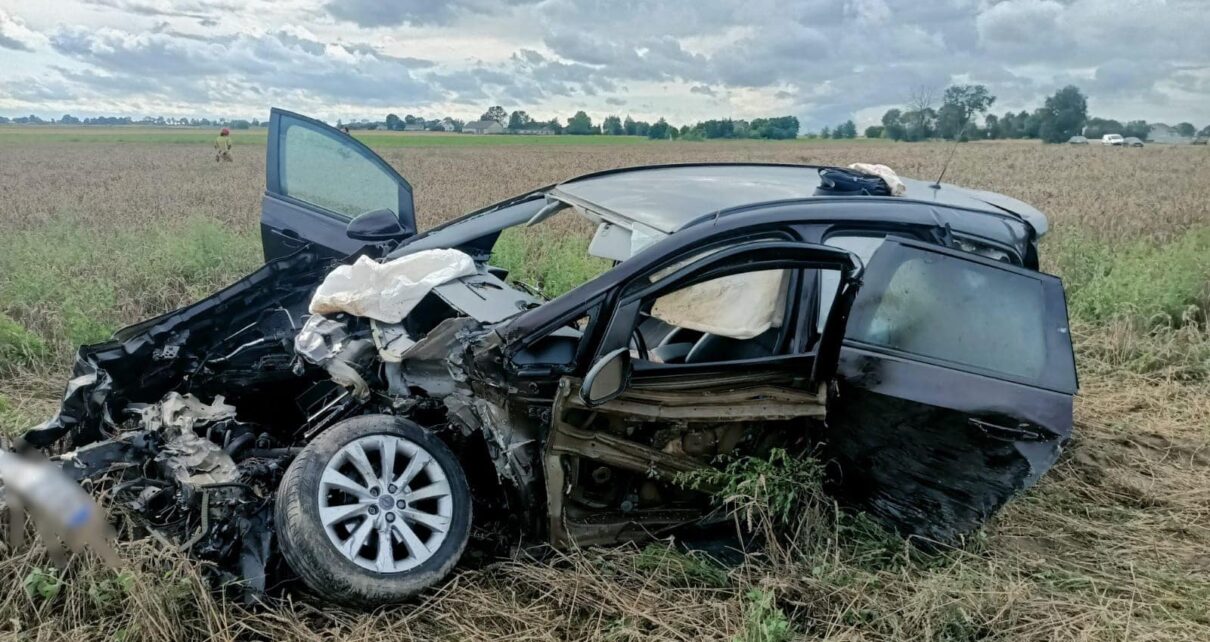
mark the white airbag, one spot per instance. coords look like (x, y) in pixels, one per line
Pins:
(388, 291)
(740, 306)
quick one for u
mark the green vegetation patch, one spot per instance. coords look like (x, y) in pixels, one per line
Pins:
(65, 285)
(551, 258)
(1163, 284)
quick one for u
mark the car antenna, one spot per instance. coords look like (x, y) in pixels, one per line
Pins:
(953, 148)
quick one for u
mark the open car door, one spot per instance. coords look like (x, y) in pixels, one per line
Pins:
(317, 179)
(954, 388)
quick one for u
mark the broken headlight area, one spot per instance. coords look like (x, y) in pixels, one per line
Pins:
(198, 480)
(187, 420)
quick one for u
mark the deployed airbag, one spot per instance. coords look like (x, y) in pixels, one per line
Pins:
(388, 291)
(740, 306)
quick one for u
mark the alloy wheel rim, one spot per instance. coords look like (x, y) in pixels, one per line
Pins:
(385, 503)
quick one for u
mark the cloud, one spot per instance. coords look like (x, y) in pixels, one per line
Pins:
(822, 60)
(385, 13)
(15, 35)
(393, 13)
(1016, 28)
(289, 60)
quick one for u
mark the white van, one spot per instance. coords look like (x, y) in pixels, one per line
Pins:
(1112, 139)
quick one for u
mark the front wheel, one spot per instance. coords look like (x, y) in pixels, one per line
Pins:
(374, 510)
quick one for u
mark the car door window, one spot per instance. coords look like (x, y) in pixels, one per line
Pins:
(864, 247)
(319, 168)
(969, 313)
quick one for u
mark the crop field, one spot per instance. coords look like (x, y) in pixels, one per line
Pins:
(101, 228)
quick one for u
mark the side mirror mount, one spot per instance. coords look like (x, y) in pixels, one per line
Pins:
(376, 226)
(607, 378)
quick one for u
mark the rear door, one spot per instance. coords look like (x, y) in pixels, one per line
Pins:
(954, 388)
(317, 179)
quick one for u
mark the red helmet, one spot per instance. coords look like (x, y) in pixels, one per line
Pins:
(225, 132)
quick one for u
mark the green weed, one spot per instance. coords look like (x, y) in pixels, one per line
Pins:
(763, 620)
(547, 257)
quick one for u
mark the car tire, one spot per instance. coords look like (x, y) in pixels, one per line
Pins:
(343, 561)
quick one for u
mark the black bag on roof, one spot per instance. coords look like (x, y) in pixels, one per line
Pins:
(834, 181)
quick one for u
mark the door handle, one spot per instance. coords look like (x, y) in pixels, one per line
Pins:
(292, 239)
(1023, 431)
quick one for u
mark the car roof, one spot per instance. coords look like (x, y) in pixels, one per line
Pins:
(669, 197)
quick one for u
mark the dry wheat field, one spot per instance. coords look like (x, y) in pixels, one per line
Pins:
(1113, 544)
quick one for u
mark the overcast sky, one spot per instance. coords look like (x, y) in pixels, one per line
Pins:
(821, 60)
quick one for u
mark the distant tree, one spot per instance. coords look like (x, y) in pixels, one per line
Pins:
(630, 127)
(826, 132)
(1138, 129)
(991, 126)
(555, 126)
(959, 106)
(641, 127)
(715, 128)
(1205, 131)
(920, 118)
(496, 113)
(240, 124)
(779, 128)
(1186, 129)
(848, 129)
(394, 123)
(612, 125)
(412, 120)
(519, 120)
(892, 125)
(68, 119)
(661, 130)
(580, 124)
(873, 131)
(1063, 115)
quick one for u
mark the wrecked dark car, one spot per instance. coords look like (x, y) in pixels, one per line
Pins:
(373, 392)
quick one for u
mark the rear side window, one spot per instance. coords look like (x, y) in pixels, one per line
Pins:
(1005, 322)
(322, 170)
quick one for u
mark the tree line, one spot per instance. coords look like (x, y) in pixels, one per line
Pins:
(581, 124)
(956, 116)
(68, 119)
(960, 112)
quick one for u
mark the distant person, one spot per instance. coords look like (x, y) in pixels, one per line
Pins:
(222, 146)
(345, 130)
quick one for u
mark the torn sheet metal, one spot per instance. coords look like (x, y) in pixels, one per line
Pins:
(183, 412)
(435, 363)
(392, 340)
(194, 461)
(320, 339)
(388, 291)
